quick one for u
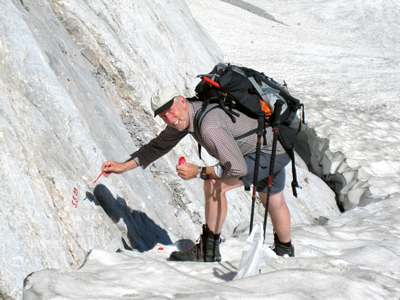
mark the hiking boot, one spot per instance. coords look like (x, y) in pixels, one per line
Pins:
(206, 250)
(282, 249)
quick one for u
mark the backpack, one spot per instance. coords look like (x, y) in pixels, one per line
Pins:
(231, 87)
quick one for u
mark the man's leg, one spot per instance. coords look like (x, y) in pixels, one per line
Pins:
(280, 215)
(215, 211)
(216, 206)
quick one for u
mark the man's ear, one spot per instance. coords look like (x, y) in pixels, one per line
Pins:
(182, 101)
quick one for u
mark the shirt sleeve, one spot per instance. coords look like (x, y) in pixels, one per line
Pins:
(226, 150)
(158, 146)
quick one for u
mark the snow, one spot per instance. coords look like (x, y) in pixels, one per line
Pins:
(342, 59)
(352, 256)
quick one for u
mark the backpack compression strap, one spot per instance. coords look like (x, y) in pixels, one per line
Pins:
(287, 137)
(295, 184)
(260, 92)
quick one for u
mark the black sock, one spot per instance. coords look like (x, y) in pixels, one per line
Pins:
(207, 230)
(288, 244)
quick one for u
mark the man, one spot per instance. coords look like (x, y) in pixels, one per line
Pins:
(235, 168)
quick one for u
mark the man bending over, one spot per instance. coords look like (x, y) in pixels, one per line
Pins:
(235, 168)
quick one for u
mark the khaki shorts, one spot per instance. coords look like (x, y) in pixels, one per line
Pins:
(279, 177)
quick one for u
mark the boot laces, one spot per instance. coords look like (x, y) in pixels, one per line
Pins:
(195, 247)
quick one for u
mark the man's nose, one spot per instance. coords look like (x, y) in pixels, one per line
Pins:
(168, 117)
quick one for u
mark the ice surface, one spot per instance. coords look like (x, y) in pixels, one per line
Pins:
(342, 59)
(353, 256)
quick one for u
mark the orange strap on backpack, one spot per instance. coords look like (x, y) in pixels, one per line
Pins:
(265, 107)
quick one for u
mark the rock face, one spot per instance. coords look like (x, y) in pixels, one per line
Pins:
(75, 79)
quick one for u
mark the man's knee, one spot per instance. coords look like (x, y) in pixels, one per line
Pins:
(276, 201)
(212, 186)
(221, 186)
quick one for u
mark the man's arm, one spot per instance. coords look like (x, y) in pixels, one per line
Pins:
(156, 148)
(118, 168)
(224, 148)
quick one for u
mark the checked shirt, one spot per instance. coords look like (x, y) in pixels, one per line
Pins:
(217, 135)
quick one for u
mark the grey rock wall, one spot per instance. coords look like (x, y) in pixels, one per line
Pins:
(75, 79)
(58, 124)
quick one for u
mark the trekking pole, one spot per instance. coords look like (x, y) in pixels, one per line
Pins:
(260, 133)
(275, 125)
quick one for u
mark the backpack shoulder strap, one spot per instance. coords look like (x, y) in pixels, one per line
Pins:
(201, 113)
(199, 116)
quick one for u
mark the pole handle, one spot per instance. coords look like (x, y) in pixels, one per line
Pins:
(277, 112)
(261, 123)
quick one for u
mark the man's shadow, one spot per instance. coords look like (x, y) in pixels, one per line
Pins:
(143, 234)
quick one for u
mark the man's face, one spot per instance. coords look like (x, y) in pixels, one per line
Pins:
(176, 116)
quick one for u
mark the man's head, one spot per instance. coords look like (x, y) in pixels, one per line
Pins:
(170, 106)
(163, 99)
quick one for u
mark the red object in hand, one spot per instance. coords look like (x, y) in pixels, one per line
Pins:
(98, 177)
(102, 173)
(182, 161)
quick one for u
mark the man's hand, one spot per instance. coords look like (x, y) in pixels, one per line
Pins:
(187, 171)
(117, 168)
(112, 167)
